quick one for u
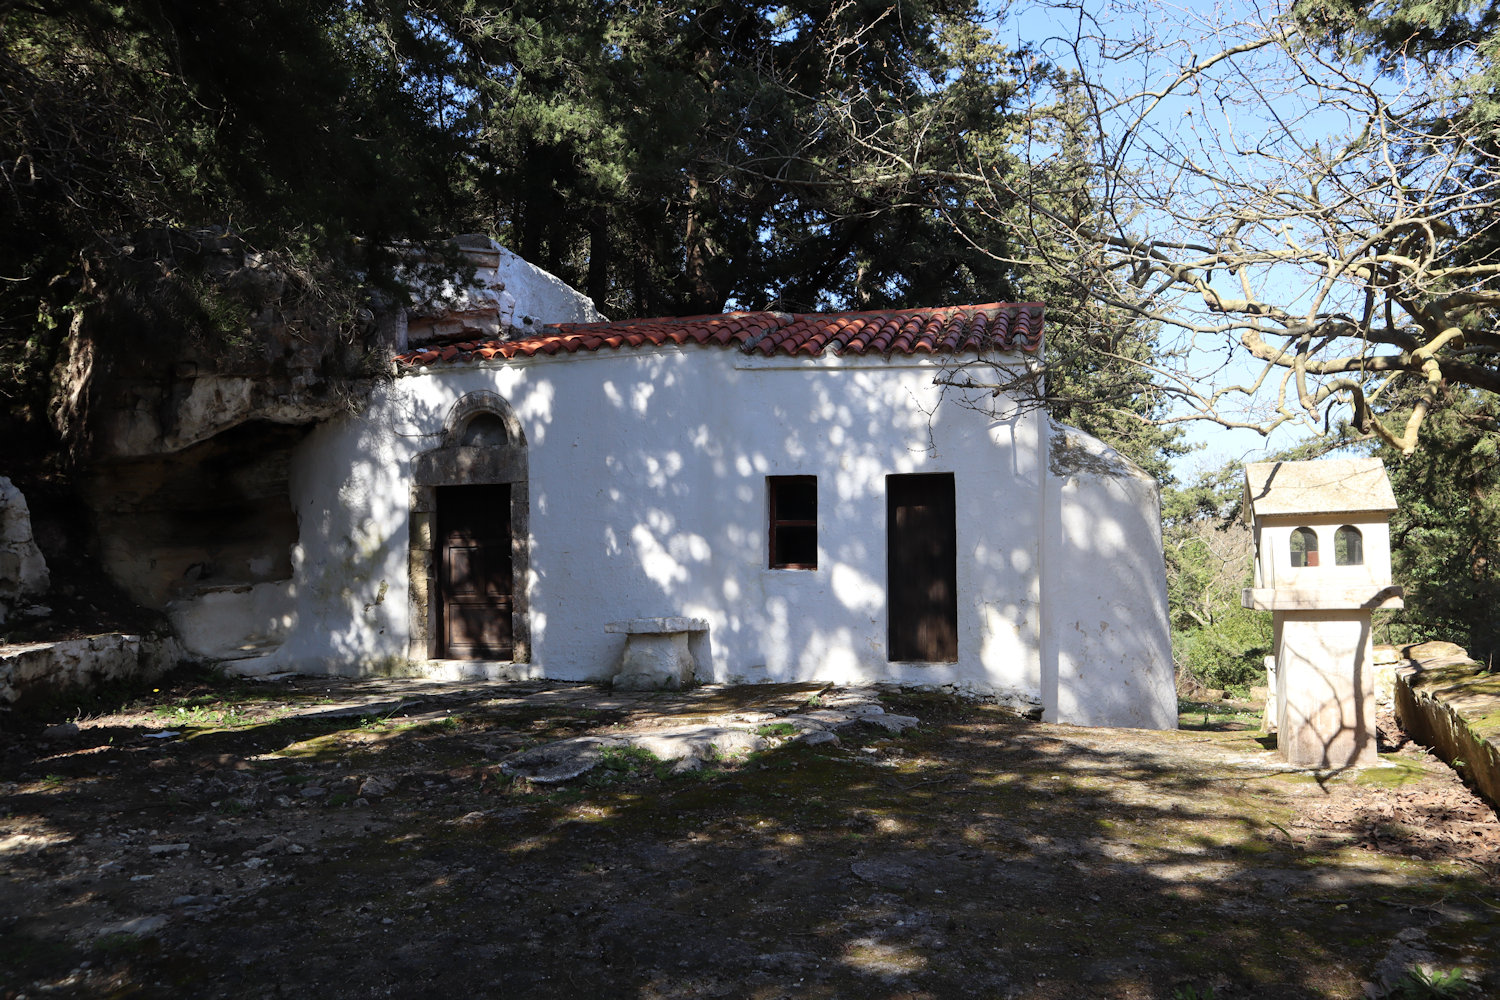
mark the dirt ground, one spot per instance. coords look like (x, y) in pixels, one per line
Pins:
(354, 839)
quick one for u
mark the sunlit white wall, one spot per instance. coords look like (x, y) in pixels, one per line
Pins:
(648, 498)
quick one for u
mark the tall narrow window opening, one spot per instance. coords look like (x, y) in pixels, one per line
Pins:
(1304, 548)
(793, 502)
(1348, 547)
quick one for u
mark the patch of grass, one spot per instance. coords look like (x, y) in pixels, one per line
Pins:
(623, 764)
(1193, 993)
(122, 945)
(1217, 716)
(215, 714)
(1397, 772)
(778, 730)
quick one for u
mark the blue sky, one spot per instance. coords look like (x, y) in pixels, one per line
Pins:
(1189, 30)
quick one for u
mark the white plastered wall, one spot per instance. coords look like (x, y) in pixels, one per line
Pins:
(647, 480)
(1106, 648)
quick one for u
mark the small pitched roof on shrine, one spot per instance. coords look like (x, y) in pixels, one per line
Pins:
(1326, 486)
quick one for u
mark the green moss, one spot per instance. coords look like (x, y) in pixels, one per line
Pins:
(1396, 772)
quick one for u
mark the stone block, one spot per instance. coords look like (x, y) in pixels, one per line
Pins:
(23, 571)
(655, 662)
(658, 653)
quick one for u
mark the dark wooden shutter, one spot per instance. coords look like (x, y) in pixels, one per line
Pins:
(793, 503)
(922, 567)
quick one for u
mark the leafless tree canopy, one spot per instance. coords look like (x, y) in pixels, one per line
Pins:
(1322, 226)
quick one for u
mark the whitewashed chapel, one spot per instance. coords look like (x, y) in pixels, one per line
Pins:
(785, 498)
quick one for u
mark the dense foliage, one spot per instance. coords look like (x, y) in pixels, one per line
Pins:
(135, 136)
(674, 158)
(667, 158)
(1208, 551)
(1445, 534)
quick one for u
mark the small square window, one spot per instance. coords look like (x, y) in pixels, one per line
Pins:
(793, 502)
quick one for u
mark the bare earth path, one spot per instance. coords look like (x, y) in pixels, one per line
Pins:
(335, 839)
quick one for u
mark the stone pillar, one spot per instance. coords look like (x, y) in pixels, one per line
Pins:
(1325, 691)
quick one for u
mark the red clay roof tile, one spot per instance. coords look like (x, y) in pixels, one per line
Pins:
(947, 330)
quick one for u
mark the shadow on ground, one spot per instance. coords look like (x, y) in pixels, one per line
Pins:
(343, 840)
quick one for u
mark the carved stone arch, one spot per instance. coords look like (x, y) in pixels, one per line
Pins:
(453, 463)
(481, 403)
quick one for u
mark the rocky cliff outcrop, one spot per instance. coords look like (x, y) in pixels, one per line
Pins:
(188, 388)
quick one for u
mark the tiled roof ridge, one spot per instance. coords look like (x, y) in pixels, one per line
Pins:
(930, 330)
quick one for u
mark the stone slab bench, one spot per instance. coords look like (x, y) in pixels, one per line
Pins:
(658, 654)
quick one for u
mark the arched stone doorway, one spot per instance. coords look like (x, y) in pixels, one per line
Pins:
(469, 538)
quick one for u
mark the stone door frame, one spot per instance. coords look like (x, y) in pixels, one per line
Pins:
(454, 464)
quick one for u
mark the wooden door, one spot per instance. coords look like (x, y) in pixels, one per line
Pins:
(922, 567)
(474, 572)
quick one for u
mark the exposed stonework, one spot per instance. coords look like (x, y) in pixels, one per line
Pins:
(1448, 702)
(1073, 452)
(40, 669)
(507, 296)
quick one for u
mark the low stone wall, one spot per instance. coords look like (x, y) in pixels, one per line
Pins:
(1452, 704)
(43, 669)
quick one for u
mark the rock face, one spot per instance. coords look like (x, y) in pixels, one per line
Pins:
(23, 571)
(184, 439)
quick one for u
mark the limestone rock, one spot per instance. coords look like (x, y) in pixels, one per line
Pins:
(699, 743)
(1422, 652)
(23, 570)
(558, 762)
(139, 926)
(376, 788)
(43, 667)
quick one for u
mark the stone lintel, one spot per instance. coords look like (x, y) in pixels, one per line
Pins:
(1322, 598)
(656, 626)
